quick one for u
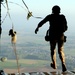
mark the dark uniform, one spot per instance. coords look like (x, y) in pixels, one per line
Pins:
(58, 25)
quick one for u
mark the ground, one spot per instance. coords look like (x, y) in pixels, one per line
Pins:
(36, 71)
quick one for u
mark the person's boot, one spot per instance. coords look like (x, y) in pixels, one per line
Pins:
(64, 67)
(53, 66)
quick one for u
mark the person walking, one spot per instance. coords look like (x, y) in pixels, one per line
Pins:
(58, 25)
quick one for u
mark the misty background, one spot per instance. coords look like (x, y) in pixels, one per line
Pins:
(25, 28)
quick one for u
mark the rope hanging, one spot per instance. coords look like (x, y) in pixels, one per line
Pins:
(13, 33)
(5, 15)
(13, 42)
(13, 37)
(25, 5)
(8, 11)
(3, 5)
(17, 59)
(29, 13)
(18, 5)
(4, 18)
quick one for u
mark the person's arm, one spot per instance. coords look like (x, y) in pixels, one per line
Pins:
(41, 23)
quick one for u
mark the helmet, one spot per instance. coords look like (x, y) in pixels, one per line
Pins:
(56, 9)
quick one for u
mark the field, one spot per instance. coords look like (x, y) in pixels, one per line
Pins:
(26, 65)
(23, 63)
(34, 47)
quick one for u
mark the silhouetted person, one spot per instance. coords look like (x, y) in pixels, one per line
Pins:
(58, 25)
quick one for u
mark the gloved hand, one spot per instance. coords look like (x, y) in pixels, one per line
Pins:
(36, 30)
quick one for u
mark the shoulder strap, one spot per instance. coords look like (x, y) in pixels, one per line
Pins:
(47, 33)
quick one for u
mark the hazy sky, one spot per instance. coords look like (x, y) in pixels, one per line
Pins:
(39, 8)
(67, 6)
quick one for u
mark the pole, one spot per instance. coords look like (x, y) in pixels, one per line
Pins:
(0, 29)
(0, 18)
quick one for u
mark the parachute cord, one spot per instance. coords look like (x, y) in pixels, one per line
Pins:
(29, 13)
(3, 5)
(18, 5)
(4, 18)
(12, 26)
(25, 9)
(17, 59)
(37, 17)
(9, 13)
(13, 44)
(25, 5)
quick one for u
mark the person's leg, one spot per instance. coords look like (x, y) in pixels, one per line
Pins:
(53, 53)
(61, 53)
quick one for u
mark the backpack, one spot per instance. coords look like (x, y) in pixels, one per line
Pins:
(47, 37)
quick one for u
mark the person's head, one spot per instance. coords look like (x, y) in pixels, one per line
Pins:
(56, 9)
